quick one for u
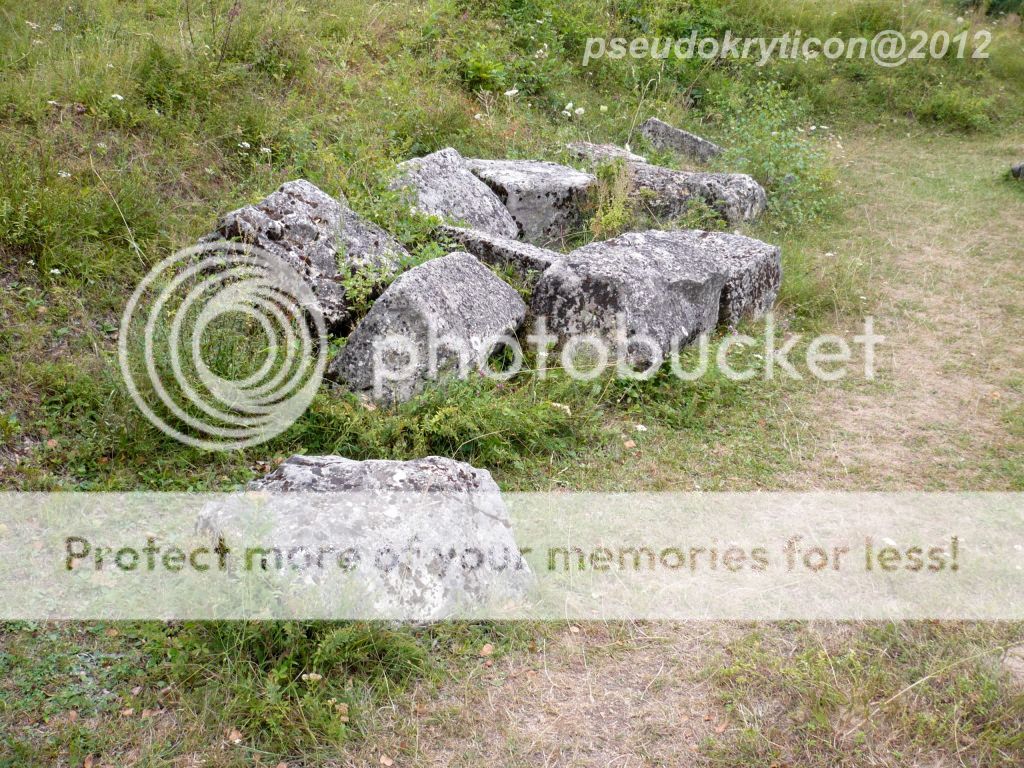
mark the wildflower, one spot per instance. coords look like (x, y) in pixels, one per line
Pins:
(32, 25)
(117, 97)
(53, 103)
(244, 144)
(478, 116)
(57, 28)
(312, 677)
(568, 107)
(265, 150)
(54, 271)
(580, 110)
(566, 113)
(641, 428)
(101, 145)
(64, 174)
(604, 107)
(512, 92)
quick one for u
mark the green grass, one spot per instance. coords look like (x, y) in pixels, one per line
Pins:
(887, 694)
(95, 189)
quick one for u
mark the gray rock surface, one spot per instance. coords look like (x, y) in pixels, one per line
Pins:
(545, 199)
(441, 318)
(528, 261)
(665, 193)
(442, 185)
(753, 270)
(645, 284)
(664, 136)
(317, 236)
(602, 153)
(423, 539)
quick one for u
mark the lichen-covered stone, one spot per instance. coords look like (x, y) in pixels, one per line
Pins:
(545, 199)
(441, 318)
(602, 153)
(420, 540)
(315, 235)
(442, 185)
(526, 260)
(641, 284)
(666, 193)
(661, 135)
(753, 270)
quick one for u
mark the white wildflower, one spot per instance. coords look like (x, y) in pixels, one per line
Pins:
(265, 150)
(244, 145)
(566, 113)
(54, 271)
(478, 116)
(64, 174)
(568, 107)
(604, 107)
(580, 110)
(57, 28)
(512, 92)
(32, 25)
(117, 97)
(641, 428)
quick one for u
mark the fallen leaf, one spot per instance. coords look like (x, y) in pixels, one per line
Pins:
(72, 715)
(574, 629)
(127, 712)
(487, 650)
(234, 736)
(720, 728)
(136, 690)
(629, 444)
(148, 712)
(88, 762)
(112, 632)
(281, 765)
(51, 443)
(386, 761)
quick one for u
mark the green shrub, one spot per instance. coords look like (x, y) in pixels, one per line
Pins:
(958, 108)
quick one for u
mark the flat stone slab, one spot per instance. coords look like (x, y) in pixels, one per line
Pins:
(545, 199)
(640, 284)
(439, 319)
(753, 270)
(317, 236)
(666, 193)
(661, 135)
(527, 261)
(421, 540)
(602, 153)
(442, 185)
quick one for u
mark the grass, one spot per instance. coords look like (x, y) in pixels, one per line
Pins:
(127, 129)
(887, 695)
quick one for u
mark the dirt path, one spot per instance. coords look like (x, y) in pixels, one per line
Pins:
(943, 239)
